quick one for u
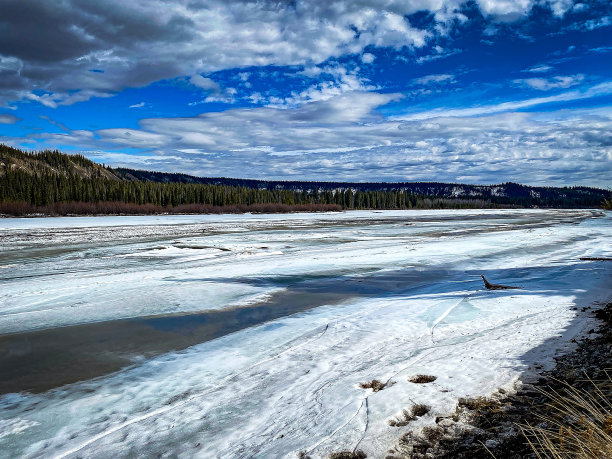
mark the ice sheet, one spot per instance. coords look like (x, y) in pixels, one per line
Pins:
(292, 384)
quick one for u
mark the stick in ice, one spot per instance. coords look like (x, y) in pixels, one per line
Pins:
(490, 286)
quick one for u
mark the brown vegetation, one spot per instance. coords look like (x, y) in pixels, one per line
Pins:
(478, 403)
(375, 385)
(407, 417)
(20, 208)
(577, 423)
(422, 379)
(348, 455)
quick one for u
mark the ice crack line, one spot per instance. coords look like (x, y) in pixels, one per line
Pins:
(363, 401)
(443, 316)
(367, 421)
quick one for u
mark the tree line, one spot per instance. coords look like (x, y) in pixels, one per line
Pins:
(47, 181)
(47, 188)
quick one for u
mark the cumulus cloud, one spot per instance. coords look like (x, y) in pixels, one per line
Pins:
(214, 90)
(367, 58)
(333, 81)
(205, 83)
(59, 53)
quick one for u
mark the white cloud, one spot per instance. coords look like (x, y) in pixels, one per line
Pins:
(593, 24)
(546, 84)
(215, 92)
(55, 99)
(367, 58)
(205, 83)
(102, 47)
(511, 10)
(139, 105)
(340, 80)
(5, 118)
(435, 79)
(539, 69)
(133, 138)
(440, 54)
(593, 91)
(342, 138)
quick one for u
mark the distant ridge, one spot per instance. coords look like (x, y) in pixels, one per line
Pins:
(530, 194)
(48, 177)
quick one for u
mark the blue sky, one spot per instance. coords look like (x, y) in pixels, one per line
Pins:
(484, 91)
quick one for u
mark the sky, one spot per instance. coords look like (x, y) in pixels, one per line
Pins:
(484, 91)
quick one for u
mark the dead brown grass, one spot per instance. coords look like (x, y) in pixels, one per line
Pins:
(478, 403)
(348, 455)
(422, 379)
(432, 433)
(375, 385)
(577, 423)
(407, 417)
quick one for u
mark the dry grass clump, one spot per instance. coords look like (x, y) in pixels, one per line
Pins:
(348, 455)
(432, 433)
(577, 423)
(478, 403)
(419, 410)
(407, 417)
(422, 379)
(375, 385)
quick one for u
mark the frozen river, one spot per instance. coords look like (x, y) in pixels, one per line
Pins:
(248, 335)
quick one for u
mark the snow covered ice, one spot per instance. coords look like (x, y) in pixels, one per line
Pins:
(399, 293)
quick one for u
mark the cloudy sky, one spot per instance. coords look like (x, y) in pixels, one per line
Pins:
(483, 91)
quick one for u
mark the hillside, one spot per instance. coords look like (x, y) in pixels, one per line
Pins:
(51, 162)
(505, 193)
(49, 177)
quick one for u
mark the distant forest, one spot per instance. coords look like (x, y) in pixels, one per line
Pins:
(55, 183)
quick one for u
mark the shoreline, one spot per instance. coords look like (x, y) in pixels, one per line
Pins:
(490, 426)
(272, 212)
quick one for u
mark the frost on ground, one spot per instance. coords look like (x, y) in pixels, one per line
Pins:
(414, 305)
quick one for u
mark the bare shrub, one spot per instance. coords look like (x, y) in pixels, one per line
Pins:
(21, 208)
(16, 208)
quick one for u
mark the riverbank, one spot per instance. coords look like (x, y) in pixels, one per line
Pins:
(502, 424)
(114, 208)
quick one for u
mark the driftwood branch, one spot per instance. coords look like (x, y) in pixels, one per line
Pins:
(489, 286)
(595, 259)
